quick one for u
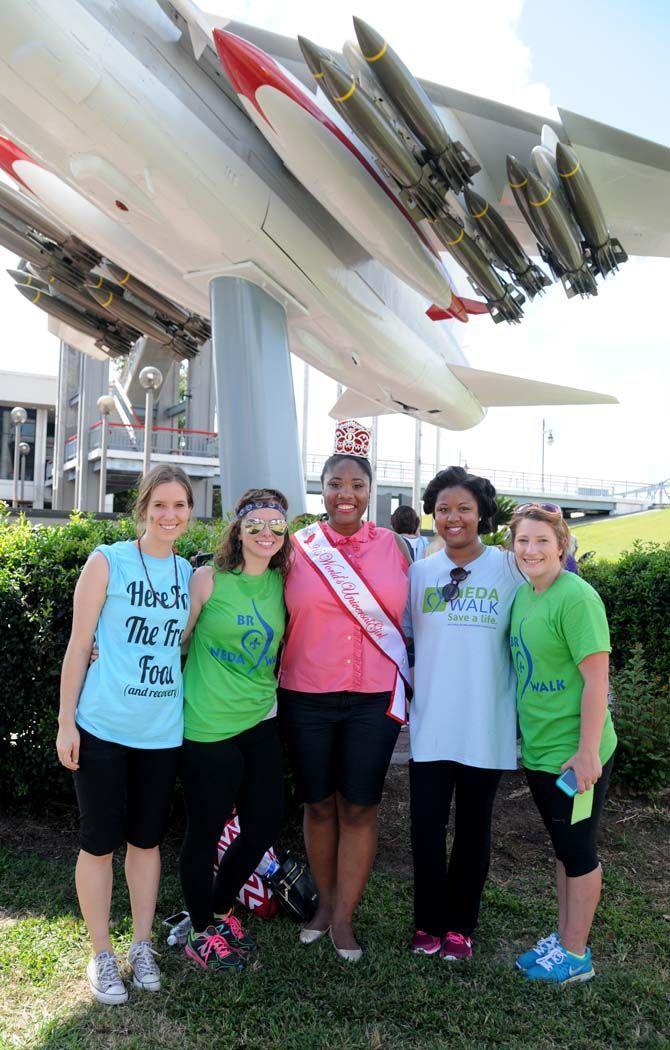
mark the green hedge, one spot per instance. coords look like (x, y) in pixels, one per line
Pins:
(636, 593)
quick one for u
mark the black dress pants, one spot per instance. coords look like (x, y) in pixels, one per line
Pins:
(244, 771)
(447, 896)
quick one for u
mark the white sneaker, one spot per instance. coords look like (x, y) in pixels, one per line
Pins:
(104, 979)
(146, 974)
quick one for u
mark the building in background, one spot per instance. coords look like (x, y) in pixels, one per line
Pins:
(37, 394)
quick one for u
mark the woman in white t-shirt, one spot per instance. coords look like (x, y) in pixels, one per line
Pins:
(462, 721)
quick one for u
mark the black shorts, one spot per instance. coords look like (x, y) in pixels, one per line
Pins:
(123, 793)
(338, 742)
(574, 844)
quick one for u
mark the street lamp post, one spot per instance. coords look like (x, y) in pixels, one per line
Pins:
(18, 417)
(24, 449)
(548, 439)
(105, 407)
(151, 379)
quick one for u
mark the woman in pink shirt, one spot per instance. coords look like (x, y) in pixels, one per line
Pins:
(335, 700)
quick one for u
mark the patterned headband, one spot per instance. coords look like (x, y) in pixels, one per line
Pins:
(243, 511)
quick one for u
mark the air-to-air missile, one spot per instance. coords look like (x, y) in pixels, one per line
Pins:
(506, 247)
(191, 323)
(577, 278)
(25, 211)
(110, 297)
(314, 57)
(363, 116)
(504, 300)
(85, 323)
(26, 247)
(414, 106)
(517, 176)
(29, 280)
(545, 168)
(147, 295)
(606, 251)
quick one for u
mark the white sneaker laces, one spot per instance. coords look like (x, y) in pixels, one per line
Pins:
(143, 962)
(545, 943)
(107, 970)
(556, 955)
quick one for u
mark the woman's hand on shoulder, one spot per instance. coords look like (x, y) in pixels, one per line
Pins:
(587, 766)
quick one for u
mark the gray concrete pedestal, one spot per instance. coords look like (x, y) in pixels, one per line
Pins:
(258, 427)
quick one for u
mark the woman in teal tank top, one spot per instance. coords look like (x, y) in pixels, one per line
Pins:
(120, 720)
(231, 752)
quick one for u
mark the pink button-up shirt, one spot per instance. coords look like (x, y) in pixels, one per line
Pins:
(325, 651)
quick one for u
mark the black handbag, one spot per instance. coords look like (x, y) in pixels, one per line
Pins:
(294, 886)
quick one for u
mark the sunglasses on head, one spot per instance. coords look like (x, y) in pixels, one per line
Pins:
(553, 508)
(254, 526)
(458, 576)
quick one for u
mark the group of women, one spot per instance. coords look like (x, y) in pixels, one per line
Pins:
(494, 633)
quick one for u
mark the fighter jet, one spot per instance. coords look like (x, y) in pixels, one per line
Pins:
(122, 123)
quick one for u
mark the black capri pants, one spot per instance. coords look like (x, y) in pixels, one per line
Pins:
(123, 793)
(338, 742)
(242, 771)
(575, 845)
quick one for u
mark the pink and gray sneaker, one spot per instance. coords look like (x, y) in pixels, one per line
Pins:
(456, 946)
(212, 952)
(425, 943)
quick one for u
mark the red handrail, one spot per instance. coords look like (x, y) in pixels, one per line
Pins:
(140, 426)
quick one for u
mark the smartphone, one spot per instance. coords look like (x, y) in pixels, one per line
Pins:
(567, 782)
(174, 920)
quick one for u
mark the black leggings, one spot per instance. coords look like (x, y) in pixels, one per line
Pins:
(243, 771)
(575, 845)
(447, 899)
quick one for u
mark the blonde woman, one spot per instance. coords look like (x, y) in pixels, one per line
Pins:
(121, 719)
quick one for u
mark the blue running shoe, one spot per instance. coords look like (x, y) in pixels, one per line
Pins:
(529, 958)
(559, 966)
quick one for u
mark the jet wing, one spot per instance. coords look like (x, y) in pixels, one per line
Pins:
(495, 390)
(352, 405)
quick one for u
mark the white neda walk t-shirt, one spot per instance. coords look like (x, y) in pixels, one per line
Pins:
(464, 704)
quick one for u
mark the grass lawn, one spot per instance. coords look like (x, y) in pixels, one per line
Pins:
(609, 537)
(305, 998)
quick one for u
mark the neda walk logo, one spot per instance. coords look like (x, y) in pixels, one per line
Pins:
(471, 604)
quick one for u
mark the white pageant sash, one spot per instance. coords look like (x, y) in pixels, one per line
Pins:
(357, 598)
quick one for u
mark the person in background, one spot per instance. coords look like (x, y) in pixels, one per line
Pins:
(232, 753)
(120, 725)
(462, 724)
(406, 522)
(342, 683)
(560, 644)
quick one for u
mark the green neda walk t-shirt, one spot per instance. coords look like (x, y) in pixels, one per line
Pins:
(550, 634)
(229, 678)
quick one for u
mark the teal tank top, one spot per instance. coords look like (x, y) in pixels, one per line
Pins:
(229, 679)
(133, 694)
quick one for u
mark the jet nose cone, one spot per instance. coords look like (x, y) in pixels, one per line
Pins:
(340, 85)
(516, 172)
(246, 65)
(538, 192)
(314, 56)
(566, 160)
(475, 204)
(370, 41)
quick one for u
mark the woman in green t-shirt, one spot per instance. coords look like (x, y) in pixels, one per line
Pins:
(231, 751)
(560, 647)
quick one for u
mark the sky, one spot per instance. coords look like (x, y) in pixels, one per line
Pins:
(606, 60)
